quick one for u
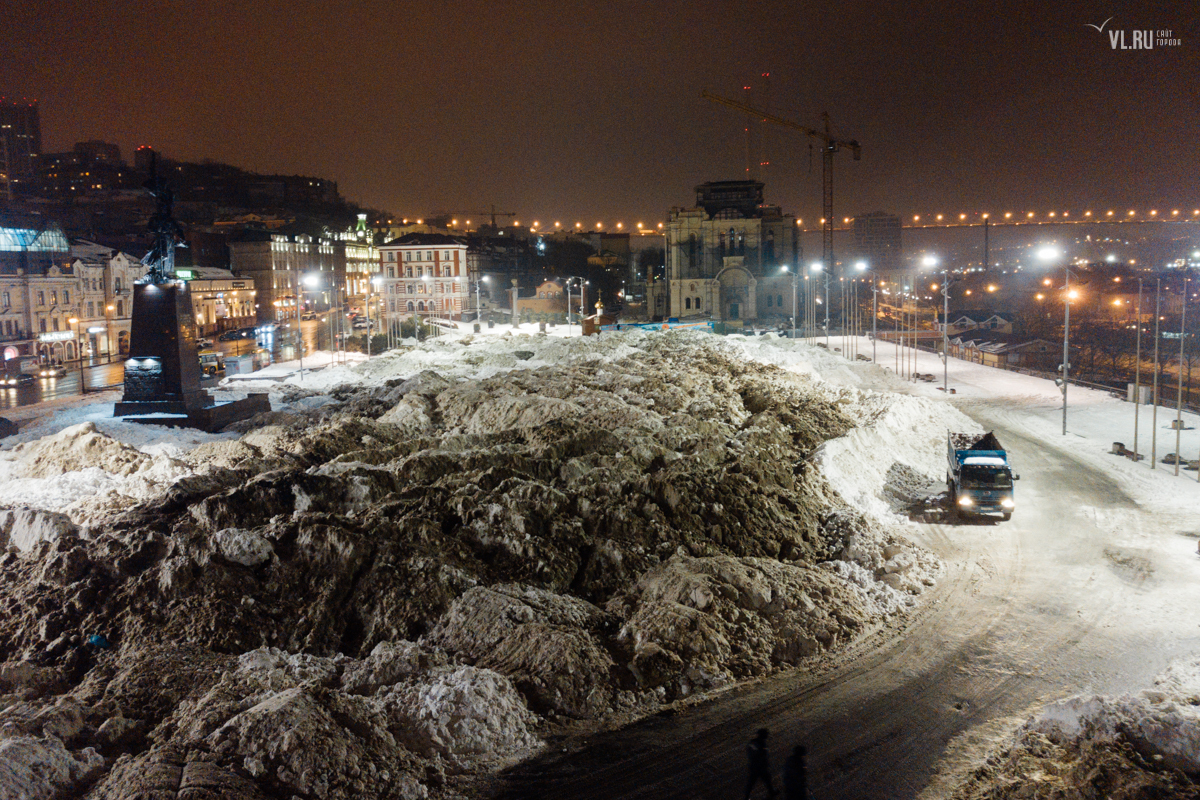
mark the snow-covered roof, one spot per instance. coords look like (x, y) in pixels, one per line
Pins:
(426, 240)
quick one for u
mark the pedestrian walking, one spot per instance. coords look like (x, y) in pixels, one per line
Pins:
(795, 775)
(759, 764)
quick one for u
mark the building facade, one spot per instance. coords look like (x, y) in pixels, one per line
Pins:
(725, 256)
(221, 301)
(20, 140)
(427, 274)
(290, 272)
(58, 300)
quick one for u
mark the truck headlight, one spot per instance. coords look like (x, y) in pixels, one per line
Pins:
(965, 501)
(1007, 502)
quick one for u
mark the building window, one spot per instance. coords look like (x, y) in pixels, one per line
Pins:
(699, 305)
(779, 300)
(768, 301)
(391, 256)
(55, 323)
(446, 256)
(120, 308)
(391, 272)
(42, 324)
(117, 285)
(66, 297)
(7, 300)
(408, 272)
(91, 309)
(410, 305)
(41, 299)
(687, 303)
(410, 291)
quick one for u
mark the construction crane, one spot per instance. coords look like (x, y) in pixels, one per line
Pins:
(493, 214)
(829, 146)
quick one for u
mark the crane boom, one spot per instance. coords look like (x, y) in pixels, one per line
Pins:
(825, 137)
(829, 146)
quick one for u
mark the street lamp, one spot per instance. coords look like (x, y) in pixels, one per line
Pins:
(78, 352)
(817, 266)
(862, 267)
(479, 302)
(1049, 254)
(784, 268)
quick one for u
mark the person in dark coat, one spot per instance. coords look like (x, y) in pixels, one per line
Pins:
(795, 775)
(760, 768)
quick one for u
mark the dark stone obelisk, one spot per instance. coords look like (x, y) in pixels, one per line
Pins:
(162, 373)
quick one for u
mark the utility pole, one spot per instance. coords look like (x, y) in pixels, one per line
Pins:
(945, 332)
(1066, 349)
(1179, 379)
(1154, 393)
(1137, 374)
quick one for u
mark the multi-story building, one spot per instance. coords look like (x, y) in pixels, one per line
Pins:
(362, 262)
(90, 167)
(289, 272)
(725, 255)
(106, 276)
(877, 241)
(427, 274)
(36, 288)
(221, 301)
(20, 139)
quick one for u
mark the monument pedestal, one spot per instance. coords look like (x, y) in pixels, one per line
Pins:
(162, 373)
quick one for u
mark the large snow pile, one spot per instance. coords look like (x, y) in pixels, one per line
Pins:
(1134, 746)
(417, 563)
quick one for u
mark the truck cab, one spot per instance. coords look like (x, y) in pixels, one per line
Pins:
(980, 479)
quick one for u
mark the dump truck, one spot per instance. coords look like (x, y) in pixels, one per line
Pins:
(979, 479)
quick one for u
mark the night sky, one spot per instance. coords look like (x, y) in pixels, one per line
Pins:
(592, 112)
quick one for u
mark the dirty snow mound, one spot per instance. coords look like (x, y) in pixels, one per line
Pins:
(1137, 745)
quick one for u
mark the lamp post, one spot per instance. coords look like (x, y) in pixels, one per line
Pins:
(862, 267)
(817, 266)
(479, 301)
(784, 268)
(82, 386)
(1049, 254)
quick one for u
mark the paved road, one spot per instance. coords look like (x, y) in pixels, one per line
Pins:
(1080, 591)
(97, 377)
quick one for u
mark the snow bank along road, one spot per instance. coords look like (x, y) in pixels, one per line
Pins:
(1084, 590)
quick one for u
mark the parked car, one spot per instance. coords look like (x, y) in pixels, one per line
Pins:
(52, 371)
(360, 322)
(233, 336)
(18, 379)
(204, 342)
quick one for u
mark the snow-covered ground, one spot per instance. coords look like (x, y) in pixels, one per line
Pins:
(76, 459)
